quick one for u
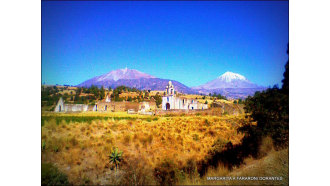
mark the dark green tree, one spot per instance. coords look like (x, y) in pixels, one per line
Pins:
(270, 109)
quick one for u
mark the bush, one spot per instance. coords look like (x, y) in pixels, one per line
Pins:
(50, 175)
(190, 168)
(196, 137)
(206, 122)
(218, 145)
(266, 146)
(127, 139)
(55, 149)
(270, 109)
(136, 173)
(43, 145)
(166, 173)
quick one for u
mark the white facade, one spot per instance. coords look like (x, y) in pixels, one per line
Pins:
(108, 99)
(171, 101)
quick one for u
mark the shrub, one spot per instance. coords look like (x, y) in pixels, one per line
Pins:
(270, 109)
(43, 145)
(206, 122)
(211, 132)
(166, 173)
(150, 138)
(266, 146)
(190, 168)
(136, 173)
(56, 149)
(73, 141)
(195, 137)
(86, 180)
(50, 175)
(218, 145)
(127, 139)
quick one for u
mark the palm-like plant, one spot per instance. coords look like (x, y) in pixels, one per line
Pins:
(115, 157)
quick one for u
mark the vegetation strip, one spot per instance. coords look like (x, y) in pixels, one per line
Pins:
(89, 119)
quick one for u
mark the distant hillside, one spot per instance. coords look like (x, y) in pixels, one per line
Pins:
(229, 84)
(135, 79)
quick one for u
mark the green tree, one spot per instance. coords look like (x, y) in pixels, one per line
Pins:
(116, 157)
(102, 93)
(146, 94)
(270, 109)
(285, 81)
(158, 100)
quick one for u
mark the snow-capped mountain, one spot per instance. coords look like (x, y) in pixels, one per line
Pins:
(228, 80)
(230, 84)
(133, 78)
(230, 76)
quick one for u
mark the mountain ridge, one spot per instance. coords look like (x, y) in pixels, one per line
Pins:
(135, 79)
(229, 84)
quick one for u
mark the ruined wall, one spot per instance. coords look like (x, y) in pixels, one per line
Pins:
(202, 106)
(75, 108)
(59, 106)
(147, 106)
(116, 106)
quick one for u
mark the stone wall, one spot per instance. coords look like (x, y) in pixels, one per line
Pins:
(117, 106)
(75, 107)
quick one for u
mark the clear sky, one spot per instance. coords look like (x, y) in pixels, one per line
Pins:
(192, 42)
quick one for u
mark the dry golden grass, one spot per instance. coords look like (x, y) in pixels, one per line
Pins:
(81, 149)
(275, 164)
(272, 164)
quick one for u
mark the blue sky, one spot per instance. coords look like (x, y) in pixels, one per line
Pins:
(192, 42)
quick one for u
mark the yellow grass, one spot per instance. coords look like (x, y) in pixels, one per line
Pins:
(275, 164)
(83, 148)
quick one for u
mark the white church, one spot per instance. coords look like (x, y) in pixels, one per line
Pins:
(173, 102)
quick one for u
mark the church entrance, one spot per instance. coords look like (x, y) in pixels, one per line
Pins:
(59, 108)
(167, 106)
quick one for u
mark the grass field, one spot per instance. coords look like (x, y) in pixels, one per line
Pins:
(79, 144)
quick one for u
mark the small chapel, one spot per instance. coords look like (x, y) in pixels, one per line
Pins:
(171, 101)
